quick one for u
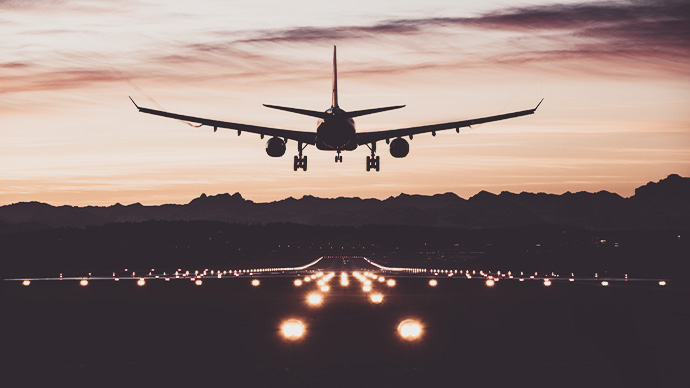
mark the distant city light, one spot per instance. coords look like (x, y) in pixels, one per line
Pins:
(376, 298)
(391, 283)
(325, 288)
(314, 299)
(298, 282)
(292, 329)
(366, 288)
(410, 329)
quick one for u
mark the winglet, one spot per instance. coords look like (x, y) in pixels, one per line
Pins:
(535, 109)
(135, 104)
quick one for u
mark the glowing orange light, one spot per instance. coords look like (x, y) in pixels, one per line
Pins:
(325, 288)
(83, 282)
(321, 282)
(366, 288)
(662, 283)
(26, 282)
(409, 329)
(604, 283)
(547, 282)
(490, 283)
(376, 298)
(298, 282)
(307, 279)
(141, 282)
(344, 282)
(314, 299)
(381, 279)
(292, 329)
(433, 282)
(390, 283)
(198, 282)
(256, 282)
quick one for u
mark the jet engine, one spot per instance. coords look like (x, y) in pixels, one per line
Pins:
(275, 147)
(400, 147)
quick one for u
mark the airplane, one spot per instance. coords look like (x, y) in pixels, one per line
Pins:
(336, 129)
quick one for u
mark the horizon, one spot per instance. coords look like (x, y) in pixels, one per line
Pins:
(615, 78)
(344, 197)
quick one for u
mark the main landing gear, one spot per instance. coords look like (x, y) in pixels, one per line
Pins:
(339, 158)
(300, 161)
(373, 161)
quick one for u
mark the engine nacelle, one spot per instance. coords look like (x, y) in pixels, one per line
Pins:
(400, 148)
(275, 147)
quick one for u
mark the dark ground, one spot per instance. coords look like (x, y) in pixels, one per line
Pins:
(522, 334)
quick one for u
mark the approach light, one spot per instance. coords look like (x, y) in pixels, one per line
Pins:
(490, 283)
(314, 299)
(409, 329)
(83, 282)
(376, 298)
(26, 282)
(298, 282)
(141, 282)
(292, 329)
(390, 283)
(433, 282)
(256, 282)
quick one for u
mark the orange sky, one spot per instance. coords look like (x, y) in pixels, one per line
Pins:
(615, 78)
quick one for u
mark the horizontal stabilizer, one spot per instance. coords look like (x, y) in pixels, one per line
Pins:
(363, 112)
(305, 112)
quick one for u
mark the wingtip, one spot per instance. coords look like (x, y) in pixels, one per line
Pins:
(135, 104)
(542, 100)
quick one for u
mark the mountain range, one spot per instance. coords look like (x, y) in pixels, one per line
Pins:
(657, 205)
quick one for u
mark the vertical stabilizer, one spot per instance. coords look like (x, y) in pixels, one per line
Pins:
(335, 81)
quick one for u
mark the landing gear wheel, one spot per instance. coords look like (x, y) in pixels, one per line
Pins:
(304, 163)
(340, 158)
(296, 164)
(368, 163)
(378, 160)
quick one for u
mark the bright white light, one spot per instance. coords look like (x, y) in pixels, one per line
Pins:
(141, 282)
(433, 282)
(604, 283)
(255, 282)
(292, 329)
(83, 282)
(490, 283)
(26, 282)
(325, 288)
(298, 282)
(410, 329)
(662, 283)
(366, 288)
(198, 282)
(381, 279)
(314, 299)
(376, 298)
(390, 283)
(547, 282)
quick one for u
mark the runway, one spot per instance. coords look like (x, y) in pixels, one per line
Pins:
(229, 330)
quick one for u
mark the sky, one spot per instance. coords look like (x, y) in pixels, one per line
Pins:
(615, 76)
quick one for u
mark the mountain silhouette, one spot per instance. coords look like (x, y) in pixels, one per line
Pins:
(656, 205)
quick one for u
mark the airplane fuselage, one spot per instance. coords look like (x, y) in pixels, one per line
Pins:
(336, 132)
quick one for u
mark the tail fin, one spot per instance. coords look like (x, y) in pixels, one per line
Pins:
(334, 103)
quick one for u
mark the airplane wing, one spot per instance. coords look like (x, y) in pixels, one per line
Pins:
(371, 137)
(301, 136)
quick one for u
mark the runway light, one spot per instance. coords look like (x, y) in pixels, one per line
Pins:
(256, 282)
(83, 282)
(604, 283)
(314, 299)
(376, 298)
(307, 279)
(292, 329)
(410, 329)
(662, 283)
(344, 282)
(321, 282)
(198, 282)
(433, 282)
(298, 282)
(141, 282)
(490, 283)
(26, 282)
(390, 283)
(325, 288)
(547, 282)
(381, 279)
(366, 288)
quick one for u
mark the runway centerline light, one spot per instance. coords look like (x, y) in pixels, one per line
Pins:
(256, 282)
(433, 282)
(292, 329)
(410, 330)
(314, 299)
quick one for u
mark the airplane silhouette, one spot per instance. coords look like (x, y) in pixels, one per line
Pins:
(336, 129)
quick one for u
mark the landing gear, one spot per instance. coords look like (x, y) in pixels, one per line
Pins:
(300, 161)
(339, 158)
(373, 161)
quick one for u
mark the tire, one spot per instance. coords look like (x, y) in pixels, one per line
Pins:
(378, 163)
(295, 164)
(304, 163)
(368, 163)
